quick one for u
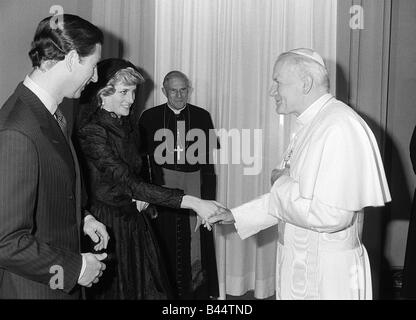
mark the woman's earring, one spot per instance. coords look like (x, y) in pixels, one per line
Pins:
(102, 103)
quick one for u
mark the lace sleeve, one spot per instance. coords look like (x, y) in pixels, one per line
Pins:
(93, 141)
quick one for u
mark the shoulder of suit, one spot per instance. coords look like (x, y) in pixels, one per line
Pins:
(15, 114)
(14, 124)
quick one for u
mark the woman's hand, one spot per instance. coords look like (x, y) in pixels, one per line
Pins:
(224, 217)
(204, 208)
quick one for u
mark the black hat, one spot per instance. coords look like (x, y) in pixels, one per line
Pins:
(106, 69)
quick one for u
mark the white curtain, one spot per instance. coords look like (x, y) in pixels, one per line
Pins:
(228, 49)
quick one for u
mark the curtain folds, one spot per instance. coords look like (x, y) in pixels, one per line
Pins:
(363, 58)
(227, 48)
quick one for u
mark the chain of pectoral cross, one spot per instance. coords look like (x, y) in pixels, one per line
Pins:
(289, 151)
(178, 148)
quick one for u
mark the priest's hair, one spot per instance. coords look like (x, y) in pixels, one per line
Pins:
(174, 75)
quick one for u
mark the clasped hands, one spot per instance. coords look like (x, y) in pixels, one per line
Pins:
(212, 212)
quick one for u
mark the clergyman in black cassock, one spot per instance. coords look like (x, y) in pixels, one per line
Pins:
(190, 255)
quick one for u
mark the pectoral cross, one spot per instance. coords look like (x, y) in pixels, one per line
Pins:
(286, 159)
(289, 152)
(178, 149)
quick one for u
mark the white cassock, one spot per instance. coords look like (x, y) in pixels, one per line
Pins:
(335, 172)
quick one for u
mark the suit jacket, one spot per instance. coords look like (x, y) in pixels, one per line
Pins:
(39, 203)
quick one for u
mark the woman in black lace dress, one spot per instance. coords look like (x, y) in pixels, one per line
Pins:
(118, 197)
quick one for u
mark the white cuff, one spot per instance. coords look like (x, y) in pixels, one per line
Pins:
(84, 266)
(253, 216)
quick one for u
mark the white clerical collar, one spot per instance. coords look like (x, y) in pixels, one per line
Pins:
(49, 102)
(176, 111)
(313, 109)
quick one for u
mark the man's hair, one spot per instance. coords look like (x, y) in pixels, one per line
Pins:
(175, 74)
(307, 63)
(53, 42)
(127, 76)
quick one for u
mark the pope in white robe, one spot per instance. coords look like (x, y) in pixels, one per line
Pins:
(331, 171)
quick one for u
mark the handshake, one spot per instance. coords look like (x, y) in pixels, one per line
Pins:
(209, 211)
(212, 212)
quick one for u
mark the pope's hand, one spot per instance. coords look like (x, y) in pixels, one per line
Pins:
(277, 173)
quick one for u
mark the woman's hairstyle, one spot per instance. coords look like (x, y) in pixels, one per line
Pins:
(128, 77)
(53, 41)
(110, 72)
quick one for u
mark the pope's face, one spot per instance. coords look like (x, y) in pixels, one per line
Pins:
(287, 89)
(176, 91)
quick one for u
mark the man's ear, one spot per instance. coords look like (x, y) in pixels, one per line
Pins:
(164, 92)
(71, 58)
(307, 84)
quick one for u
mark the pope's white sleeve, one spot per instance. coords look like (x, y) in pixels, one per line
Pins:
(287, 205)
(253, 216)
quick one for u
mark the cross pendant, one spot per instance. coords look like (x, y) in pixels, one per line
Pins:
(178, 150)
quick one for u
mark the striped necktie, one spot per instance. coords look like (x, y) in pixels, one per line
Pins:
(59, 116)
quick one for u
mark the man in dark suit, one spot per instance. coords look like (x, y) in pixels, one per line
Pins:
(40, 202)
